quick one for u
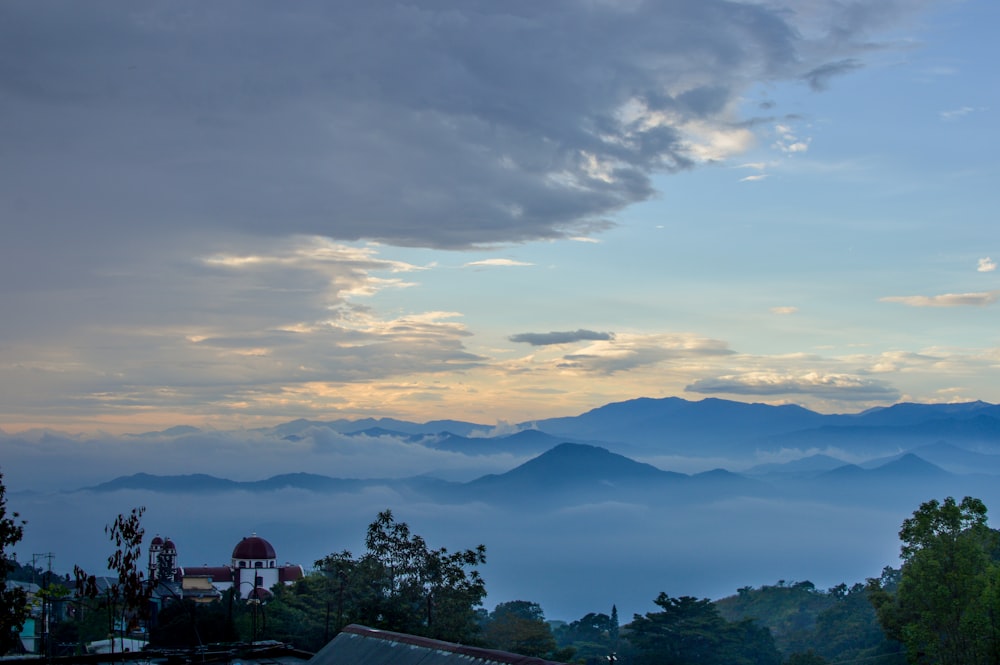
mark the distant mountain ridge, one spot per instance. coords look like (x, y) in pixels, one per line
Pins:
(708, 428)
(575, 474)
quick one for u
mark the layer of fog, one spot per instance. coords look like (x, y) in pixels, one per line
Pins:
(58, 462)
(571, 561)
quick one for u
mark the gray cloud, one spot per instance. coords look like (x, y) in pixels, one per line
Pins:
(830, 386)
(178, 170)
(457, 124)
(819, 78)
(630, 351)
(568, 337)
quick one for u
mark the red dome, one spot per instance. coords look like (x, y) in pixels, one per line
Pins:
(156, 541)
(169, 545)
(254, 547)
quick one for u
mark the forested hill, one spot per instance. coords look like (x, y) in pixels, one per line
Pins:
(838, 624)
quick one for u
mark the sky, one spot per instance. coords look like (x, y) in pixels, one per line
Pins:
(231, 215)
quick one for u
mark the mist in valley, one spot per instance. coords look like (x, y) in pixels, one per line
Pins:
(576, 528)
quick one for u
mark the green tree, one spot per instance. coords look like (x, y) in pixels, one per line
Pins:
(593, 637)
(13, 601)
(187, 624)
(126, 601)
(788, 610)
(806, 658)
(941, 608)
(402, 584)
(519, 626)
(689, 630)
(613, 628)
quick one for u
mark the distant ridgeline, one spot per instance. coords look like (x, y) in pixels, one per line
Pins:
(901, 454)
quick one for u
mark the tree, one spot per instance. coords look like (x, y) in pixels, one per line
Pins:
(519, 626)
(806, 658)
(593, 637)
(943, 605)
(613, 628)
(13, 601)
(127, 600)
(402, 584)
(689, 630)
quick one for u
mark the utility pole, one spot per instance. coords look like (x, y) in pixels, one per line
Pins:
(43, 647)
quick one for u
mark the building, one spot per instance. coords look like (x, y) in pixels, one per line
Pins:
(252, 571)
(359, 645)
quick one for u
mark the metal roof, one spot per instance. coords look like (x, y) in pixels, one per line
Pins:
(358, 645)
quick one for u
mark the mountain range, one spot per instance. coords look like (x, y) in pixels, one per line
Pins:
(609, 506)
(574, 474)
(706, 428)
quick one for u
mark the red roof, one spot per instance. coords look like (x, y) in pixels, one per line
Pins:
(254, 547)
(290, 573)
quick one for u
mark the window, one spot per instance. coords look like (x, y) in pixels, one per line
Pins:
(258, 564)
(243, 564)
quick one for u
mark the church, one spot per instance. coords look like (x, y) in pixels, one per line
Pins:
(252, 572)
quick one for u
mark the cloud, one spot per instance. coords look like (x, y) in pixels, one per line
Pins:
(754, 178)
(832, 386)
(819, 78)
(788, 142)
(986, 264)
(955, 114)
(498, 262)
(481, 124)
(190, 187)
(947, 299)
(266, 328)
(546, 339)
(784, 310)
(631, 351)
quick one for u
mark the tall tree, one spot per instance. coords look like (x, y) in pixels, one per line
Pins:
(402, 584)
(942, 606)
(689, 630)
(519, 626)
(613, 628)
(126, 600)
(591, 636)
(13, 601)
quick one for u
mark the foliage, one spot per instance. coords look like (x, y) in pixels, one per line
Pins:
(126, 601)
(689, 630)
(13, 601)
(838, 624)
(187, 624)
(519, 626)
(126, 533)
(401, 584)
(789, 610)
(592, 638)
(300, 614)
(806, 658)
(945, 605)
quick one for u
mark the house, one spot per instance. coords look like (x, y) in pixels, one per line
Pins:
(252, 571)
(358, 645)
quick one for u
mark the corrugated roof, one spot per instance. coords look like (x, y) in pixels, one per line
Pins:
(359, 645)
